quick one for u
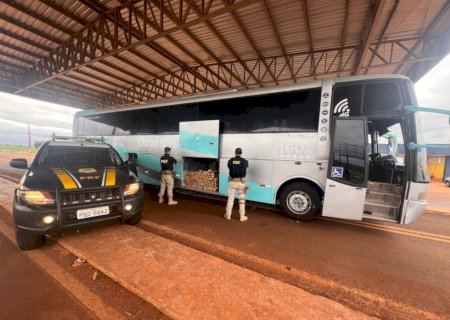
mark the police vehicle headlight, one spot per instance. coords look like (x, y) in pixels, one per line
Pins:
(131, 189)
(35, 197)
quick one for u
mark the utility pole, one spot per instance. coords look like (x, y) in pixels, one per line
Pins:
(29, 138)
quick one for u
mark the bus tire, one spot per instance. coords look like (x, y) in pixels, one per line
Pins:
(300, 201)
(27, 241)
(135, 219)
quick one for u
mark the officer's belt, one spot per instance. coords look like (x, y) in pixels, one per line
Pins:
(166, 172)
(236, 179)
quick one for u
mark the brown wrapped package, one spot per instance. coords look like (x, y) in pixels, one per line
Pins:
(201, 180)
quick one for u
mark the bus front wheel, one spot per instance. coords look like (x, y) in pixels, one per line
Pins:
(300, 201)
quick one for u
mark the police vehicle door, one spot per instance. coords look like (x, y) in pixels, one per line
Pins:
(346, 185)
(200, 139)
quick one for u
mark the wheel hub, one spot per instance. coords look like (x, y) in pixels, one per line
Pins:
(299, 202)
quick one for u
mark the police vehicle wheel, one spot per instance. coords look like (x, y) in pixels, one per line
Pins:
(447, 183)
(135, 219)
(27, 241)
(300, 201)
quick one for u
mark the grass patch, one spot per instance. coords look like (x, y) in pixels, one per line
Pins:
(10, 148)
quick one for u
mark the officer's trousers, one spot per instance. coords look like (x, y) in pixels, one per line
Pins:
(234, 186)
(166, 183)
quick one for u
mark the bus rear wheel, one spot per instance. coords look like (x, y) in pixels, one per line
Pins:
(300, 201)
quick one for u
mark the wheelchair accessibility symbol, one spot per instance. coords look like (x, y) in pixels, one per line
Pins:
(337, 172)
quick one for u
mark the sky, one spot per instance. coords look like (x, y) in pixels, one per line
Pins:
(432, 90)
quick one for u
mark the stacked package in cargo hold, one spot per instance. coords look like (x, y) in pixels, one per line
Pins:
(206, 180)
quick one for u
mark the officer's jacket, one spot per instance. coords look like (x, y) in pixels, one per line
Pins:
(238, 167)
(167, 162)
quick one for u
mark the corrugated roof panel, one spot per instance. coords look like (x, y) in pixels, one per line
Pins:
(158, 60)
(203, 34)
(357, 18)
(257, 25)
(13, 62)
(184, 40)
(415, 18)
(36, 9)
(323, 17)
(233, 36)
(289, 23)
(168, 46)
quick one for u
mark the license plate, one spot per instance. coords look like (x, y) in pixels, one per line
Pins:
(92, 212)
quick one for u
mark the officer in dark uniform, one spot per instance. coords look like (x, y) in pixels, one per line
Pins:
(167, 176)
(236, 182)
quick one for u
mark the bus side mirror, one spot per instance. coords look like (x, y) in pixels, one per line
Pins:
(19, 163)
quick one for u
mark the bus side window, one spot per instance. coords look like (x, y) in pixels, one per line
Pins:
(285, 112)
(232, 114)
(347, 100)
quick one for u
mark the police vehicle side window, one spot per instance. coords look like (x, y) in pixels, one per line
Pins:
(115, 158)
(232, 114)
(285, 112)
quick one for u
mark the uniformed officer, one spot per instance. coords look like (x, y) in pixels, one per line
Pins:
(167, 176)
(236, 182)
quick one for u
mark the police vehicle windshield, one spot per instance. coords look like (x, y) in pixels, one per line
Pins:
(78, 156)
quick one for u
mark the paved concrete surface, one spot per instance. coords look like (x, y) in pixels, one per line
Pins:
(187, 284)
(29, 293)
(368, 262)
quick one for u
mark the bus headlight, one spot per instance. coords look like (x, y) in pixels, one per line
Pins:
(131, 189)
(35, 197)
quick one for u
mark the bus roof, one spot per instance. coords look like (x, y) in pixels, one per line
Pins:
(230, 94)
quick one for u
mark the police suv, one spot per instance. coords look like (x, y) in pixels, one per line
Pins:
(72, 183)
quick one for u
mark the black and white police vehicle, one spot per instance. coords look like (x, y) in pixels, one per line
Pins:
(73, 183)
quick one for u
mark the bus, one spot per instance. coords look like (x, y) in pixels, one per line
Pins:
(340, 145)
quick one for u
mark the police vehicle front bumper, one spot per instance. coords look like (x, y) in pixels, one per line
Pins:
(63, 215)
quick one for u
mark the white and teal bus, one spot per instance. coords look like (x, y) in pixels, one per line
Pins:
(346, 145)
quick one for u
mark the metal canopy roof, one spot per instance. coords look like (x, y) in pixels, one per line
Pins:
(99, 53)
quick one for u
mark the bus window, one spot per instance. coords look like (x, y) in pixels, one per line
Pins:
(347, 100)
(381, 96)
(170, 117)
(285, 112)
(232, 114)
(144, 121)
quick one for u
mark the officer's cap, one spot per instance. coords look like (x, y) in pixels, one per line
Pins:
(238, 151)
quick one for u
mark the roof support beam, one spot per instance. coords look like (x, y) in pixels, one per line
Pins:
(386, 25)
(277, 65)
(277, 37)
(309, 36)
(173, 18)
(253, 44)
(81, 50)
(138, 34)
(222, 40)
(344, 31)
(440, 49)
(374, 21)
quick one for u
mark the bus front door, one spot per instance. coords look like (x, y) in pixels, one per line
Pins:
(346, 184)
